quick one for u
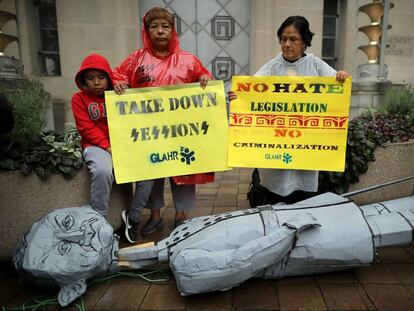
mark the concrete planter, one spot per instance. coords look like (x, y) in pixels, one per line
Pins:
(393, 162)
(25, 199)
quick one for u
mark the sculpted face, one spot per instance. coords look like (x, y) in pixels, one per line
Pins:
(67, 245)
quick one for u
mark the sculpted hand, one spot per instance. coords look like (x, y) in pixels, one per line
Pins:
(120, 87)
(203, 80)
(341, 76)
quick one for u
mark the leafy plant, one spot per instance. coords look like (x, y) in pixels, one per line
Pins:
(29, 101)
(51, 152)
(399, 102)
(365, 133)
(29, 149)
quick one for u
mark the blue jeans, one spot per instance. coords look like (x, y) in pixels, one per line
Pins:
(99, 163)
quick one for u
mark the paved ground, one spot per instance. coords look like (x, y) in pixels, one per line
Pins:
(386, 285)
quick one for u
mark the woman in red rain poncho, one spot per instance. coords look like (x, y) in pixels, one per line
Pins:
(161, 62)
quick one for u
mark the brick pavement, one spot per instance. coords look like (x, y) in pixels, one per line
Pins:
(386, 285)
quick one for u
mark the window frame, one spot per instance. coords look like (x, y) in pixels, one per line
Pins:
(43, 54)
(331, 60)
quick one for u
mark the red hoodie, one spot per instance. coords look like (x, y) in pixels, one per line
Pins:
(143, 68)
(88, 109)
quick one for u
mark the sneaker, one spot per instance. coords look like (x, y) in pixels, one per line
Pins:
(178, 222)
(151, 226)
(131, 228)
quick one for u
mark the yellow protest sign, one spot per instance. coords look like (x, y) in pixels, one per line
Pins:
(167, 131)
(289, 122)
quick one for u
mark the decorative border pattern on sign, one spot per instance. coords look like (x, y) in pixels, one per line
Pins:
(288, 121)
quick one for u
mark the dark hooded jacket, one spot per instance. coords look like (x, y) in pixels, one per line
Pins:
(143, 68)
(88, 109)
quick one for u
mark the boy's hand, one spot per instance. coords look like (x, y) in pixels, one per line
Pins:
(120, 87)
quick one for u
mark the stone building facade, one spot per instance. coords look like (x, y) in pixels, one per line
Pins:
(231, 37)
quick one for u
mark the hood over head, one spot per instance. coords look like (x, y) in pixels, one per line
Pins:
(159, 12)
(94, 61)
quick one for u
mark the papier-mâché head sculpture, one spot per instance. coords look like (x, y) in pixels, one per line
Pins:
(65, 248)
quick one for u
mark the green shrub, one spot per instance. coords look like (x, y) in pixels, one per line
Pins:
(365, 133)
(29, 149)
(51, 152)
(29, 101)
(399, 102)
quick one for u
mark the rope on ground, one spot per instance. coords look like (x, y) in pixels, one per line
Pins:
(37, 303)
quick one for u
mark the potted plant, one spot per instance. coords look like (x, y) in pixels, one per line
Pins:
(379, 149)
(41, 170)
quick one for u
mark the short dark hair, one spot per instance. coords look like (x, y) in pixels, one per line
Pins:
(301, 24)
(158, 12)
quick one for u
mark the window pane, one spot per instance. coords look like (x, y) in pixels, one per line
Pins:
(330, 7)
(329, 26)
(51, 64)
(47, 17)
(49, 40)
(328, 47)
(330, 62)
(49, 59)
(51, 2)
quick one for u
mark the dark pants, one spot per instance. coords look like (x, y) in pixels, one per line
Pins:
(259, 195)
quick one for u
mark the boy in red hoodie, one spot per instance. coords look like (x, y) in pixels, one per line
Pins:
(88, 105)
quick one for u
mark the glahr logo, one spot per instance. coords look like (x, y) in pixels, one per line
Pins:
(185, 155)
(285, 157)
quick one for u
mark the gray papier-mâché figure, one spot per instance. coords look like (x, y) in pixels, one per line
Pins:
(325, 233)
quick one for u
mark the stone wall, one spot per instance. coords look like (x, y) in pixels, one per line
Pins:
(395, 161)
(25, 199)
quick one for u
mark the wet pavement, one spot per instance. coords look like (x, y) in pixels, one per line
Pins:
(385, 285)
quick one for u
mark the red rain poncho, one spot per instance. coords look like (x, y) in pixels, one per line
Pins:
(143, 68)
